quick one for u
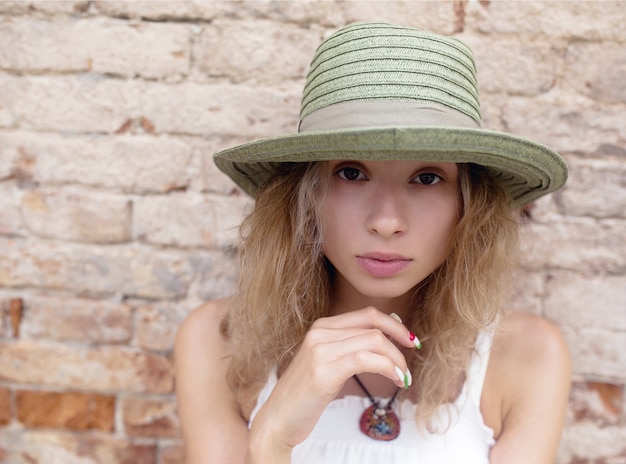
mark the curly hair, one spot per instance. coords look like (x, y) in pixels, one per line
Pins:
(285, 281)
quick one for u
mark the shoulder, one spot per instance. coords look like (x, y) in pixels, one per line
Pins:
(526, 343)
(527, 386)
(204, 397)
(202, 325)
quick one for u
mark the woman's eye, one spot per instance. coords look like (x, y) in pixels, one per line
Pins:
(427, 178)
(350, 174)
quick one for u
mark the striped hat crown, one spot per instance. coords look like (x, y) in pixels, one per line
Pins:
(384, 62)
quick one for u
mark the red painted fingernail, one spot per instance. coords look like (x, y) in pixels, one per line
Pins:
(415, 340)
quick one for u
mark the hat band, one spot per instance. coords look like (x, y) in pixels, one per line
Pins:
(355, 114)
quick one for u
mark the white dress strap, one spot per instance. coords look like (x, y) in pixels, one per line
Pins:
(478, 367)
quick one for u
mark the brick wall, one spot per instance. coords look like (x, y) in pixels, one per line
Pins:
(114, 223)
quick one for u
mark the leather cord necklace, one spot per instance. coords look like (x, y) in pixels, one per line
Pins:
(377, 421)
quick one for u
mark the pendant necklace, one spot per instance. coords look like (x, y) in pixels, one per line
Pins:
(379, 422)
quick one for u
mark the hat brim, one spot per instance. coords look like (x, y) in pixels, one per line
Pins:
(526, 170)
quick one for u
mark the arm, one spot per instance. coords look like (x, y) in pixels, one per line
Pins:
(530, 373)
(213, 428)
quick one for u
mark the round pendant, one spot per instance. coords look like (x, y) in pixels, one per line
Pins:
(379, 423)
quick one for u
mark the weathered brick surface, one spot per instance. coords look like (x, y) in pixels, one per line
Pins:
(576, 243)
(73, 411)
(198, 221)
(156, 324)
(34, 447)
(90, 321)
(151, 50)
(172, 454)
(123, 270)
(115, 223)
(101, 369)
(72, 215)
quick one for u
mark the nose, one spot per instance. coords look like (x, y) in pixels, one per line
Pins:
(387, 215)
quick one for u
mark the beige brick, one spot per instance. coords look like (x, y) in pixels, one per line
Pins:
(151, 50)
(91, 103)
(68, 410)
(156, 325)
(578, 20)
(223, 109)
(77, 216)
(568, 123)
(73, 319)
(595, 188)
(156, 418)
(514, 66)
(114, 270)
(216, 275)
(167, 10)
(172, 453)
(432, 16)
(47, 447)
(588, 442)
(575, 243)
(587, 300)
(103, 369)
(213, 180)
(597, 353)
(8, 160)
(256, 50)
(10, 218)
(209, 221)
(527, 291)
(86, 103)
(134, 164)
(20, 7)
(604, 81)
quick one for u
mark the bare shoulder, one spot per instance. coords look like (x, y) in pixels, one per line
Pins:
(204, 397)
(526, 389)
(528, 335)
(201, 328)
(526, 341)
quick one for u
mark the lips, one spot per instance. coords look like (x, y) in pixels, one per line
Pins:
(383, 264)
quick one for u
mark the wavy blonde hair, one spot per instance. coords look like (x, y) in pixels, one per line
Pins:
(285, 282)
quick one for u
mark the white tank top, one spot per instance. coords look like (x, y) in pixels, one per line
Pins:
(337, 438)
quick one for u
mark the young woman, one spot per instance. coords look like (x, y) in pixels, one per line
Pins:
(367, 325)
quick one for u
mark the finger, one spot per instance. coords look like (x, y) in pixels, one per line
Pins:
(360, 362)
(371, 318)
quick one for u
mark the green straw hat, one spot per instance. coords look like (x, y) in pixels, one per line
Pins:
(379, 91)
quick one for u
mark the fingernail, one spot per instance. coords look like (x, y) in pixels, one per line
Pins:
(401, 376)
(415, 340)
(396, 317)
(408, 379)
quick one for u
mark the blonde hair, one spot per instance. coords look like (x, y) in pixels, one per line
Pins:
(285, 282)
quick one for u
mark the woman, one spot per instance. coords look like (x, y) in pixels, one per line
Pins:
(367, 325)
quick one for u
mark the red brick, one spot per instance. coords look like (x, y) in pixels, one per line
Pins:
(5, 407)
(150, 418)
(74, 411)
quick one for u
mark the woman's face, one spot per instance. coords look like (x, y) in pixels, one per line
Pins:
(387, 225)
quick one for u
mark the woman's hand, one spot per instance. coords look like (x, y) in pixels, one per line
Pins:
(334, 349)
